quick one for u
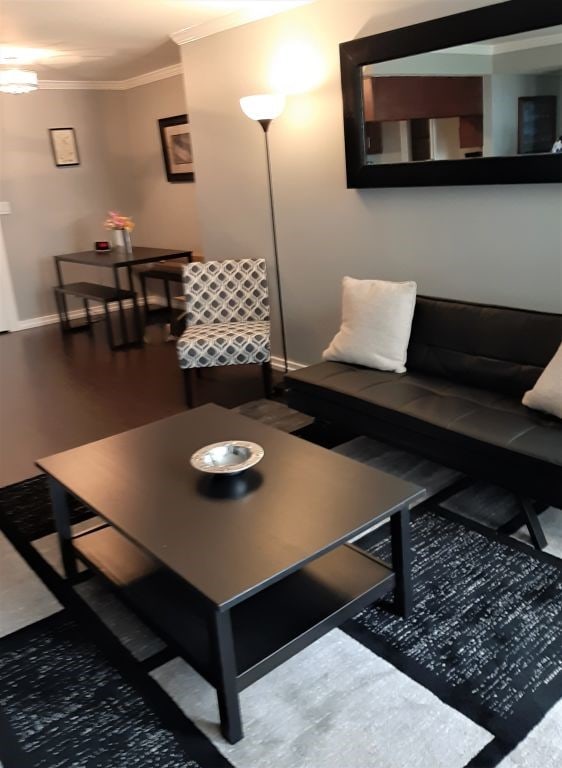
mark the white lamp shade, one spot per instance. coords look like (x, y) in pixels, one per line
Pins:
(263, 106)
(17, 81)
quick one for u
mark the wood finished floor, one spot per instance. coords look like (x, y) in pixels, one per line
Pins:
(59, 392)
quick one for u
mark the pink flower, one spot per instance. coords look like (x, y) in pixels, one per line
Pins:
(117, 220)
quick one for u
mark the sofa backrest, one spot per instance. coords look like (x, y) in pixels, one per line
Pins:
(497, 348)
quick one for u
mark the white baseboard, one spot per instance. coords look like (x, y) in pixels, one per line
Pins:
(278, 364)
(79, 314)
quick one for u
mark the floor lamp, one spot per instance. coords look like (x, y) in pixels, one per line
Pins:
(264, 108)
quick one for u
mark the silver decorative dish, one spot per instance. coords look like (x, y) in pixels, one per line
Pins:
(227, 458)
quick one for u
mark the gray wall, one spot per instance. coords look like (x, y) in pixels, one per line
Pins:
(54, 210)
(59, 210)
(492, 243)
(165, 212)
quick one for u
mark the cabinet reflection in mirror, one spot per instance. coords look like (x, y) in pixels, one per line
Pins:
(494, 98)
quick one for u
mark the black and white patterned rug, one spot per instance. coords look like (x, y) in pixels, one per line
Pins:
(20, 507)
(460, 683)
(486, 631)
(64, 703)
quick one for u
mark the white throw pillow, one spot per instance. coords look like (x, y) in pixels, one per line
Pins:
(546, 395)
(376, 324)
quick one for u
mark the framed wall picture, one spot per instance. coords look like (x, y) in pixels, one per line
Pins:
(176, 148)
(65, 149)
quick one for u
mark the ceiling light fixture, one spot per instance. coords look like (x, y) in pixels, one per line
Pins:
(17, 81)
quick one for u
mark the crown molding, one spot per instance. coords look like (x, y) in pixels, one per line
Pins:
(255, 12)
(470, 49)
(509, 46)
(111, 85)
(524, 45)
(74, 85)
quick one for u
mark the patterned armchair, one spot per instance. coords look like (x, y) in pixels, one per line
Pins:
(227, 318)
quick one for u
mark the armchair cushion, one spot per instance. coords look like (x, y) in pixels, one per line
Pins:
(216, 344)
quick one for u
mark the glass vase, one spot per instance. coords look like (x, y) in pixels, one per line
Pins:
(122, 240)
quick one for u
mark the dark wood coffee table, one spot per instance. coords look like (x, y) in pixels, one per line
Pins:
(236, 574)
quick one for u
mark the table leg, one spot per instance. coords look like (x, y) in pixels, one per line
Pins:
(142, 277)
(63, 319)
(122, 318)
(130, 276)
(136, 316)
(62, 296)
(402, 561)
(168, 300)
(61, 512)
(137, 319)
(225, 667)
(108, 328)
(88, 316)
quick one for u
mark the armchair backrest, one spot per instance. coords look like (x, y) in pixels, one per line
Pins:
(230, 291)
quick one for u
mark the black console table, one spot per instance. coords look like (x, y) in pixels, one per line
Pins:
(116, 260)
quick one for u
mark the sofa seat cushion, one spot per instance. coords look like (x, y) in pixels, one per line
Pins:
(437, 406)
(343, 377)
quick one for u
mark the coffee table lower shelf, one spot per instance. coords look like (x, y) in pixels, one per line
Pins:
(268, 627)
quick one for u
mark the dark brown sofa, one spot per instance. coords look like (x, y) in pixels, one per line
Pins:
(459, 403)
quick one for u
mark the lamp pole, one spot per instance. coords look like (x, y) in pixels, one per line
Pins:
(265, 125)
(263, 109)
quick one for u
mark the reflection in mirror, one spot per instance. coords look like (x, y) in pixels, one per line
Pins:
(495, 98)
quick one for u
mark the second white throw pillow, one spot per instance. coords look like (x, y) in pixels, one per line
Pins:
(546, 395)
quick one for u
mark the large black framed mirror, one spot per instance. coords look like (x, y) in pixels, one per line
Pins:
(472, 98)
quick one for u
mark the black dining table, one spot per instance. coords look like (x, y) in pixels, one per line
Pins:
(119, 261)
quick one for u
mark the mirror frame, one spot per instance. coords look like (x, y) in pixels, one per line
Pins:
(508, 18)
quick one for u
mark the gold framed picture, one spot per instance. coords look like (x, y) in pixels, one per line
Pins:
(65, 149)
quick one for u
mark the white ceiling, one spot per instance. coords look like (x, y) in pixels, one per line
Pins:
(118, 39)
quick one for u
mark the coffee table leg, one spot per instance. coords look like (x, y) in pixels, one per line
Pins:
(402, 561)
(227, 690)
(61, 511)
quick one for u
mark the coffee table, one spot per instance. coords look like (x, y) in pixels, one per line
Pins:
(236, 574)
